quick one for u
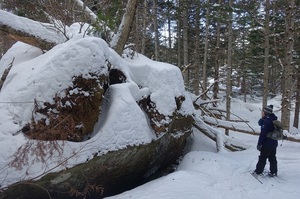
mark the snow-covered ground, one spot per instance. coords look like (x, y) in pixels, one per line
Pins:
(206, 173)
(203, 172)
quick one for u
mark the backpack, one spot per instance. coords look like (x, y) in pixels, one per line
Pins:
(277, 133)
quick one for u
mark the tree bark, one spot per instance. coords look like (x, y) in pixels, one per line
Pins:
(217, 63)
(179, 64)
(120, 38)
(42, 40)
(228, 143)
(297, 103)
(197, 51)
(169, 27)
(185, 42)
(5, 73)
(156, 44)
(229, 67)
(289, 42)
(206, 49)
(104, 175)
(266, 58)
(144, 33)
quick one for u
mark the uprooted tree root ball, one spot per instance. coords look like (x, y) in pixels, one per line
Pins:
(162, 123)
(73, 114)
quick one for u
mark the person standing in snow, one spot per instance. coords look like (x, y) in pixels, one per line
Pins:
(267, 146)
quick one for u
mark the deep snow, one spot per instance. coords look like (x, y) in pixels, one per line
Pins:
(203, 172)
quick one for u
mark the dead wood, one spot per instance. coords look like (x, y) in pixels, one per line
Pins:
(233, 128)
(228, 145)
(5, 73)
(25, 37)
(40, 35)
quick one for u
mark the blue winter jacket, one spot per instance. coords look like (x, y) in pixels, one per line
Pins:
(267, 126)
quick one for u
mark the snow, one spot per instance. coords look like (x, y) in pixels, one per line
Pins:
(39, 76)
(204, 171)
(41, 30)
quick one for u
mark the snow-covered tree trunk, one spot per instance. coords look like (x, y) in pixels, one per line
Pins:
(34, 33)
(120, 38)
(266, 58)
(229, 66)
(289, 42)
(87, 11)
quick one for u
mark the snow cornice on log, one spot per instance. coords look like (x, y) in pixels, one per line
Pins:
(34, 33)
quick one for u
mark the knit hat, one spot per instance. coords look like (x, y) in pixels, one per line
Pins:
(268, 109)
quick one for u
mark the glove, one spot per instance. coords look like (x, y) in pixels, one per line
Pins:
(284, 137)
(258, 147)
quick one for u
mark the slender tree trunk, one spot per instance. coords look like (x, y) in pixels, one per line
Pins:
(206, 49)
(144, 28)
(185, 42)
(229, 67)
(179, 33)
(217, 63)
(266, 58)
(197, 50)
(119, 40)
(156, 44)
(138, 37)
(169, 27)
(297, 103)
(289, 42)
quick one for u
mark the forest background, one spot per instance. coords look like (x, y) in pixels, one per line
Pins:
(251, 46)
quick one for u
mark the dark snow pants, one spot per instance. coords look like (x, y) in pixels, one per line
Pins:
(267, 153)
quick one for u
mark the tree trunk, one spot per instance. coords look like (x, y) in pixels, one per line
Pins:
(87, 12)
(169, 28)
(120, 38)
(216, 67)
(155, 29)
(185, 42)
(220, 141)
(44, 40)
(144, 28)
(206, 49)
(197, 50)
(266, 58)
(229, 66)
(297, 103)
(5, 73)
(179, 34)
(289, 42)
(104, 175)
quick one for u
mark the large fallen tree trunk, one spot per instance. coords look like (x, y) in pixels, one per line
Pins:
(104, 175)
(40, 35)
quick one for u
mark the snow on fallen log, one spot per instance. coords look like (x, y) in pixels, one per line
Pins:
(41, 35)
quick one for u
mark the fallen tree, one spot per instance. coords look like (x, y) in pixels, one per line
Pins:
(221, 140)
(242, 129)
(104, 175)
(40, 35)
